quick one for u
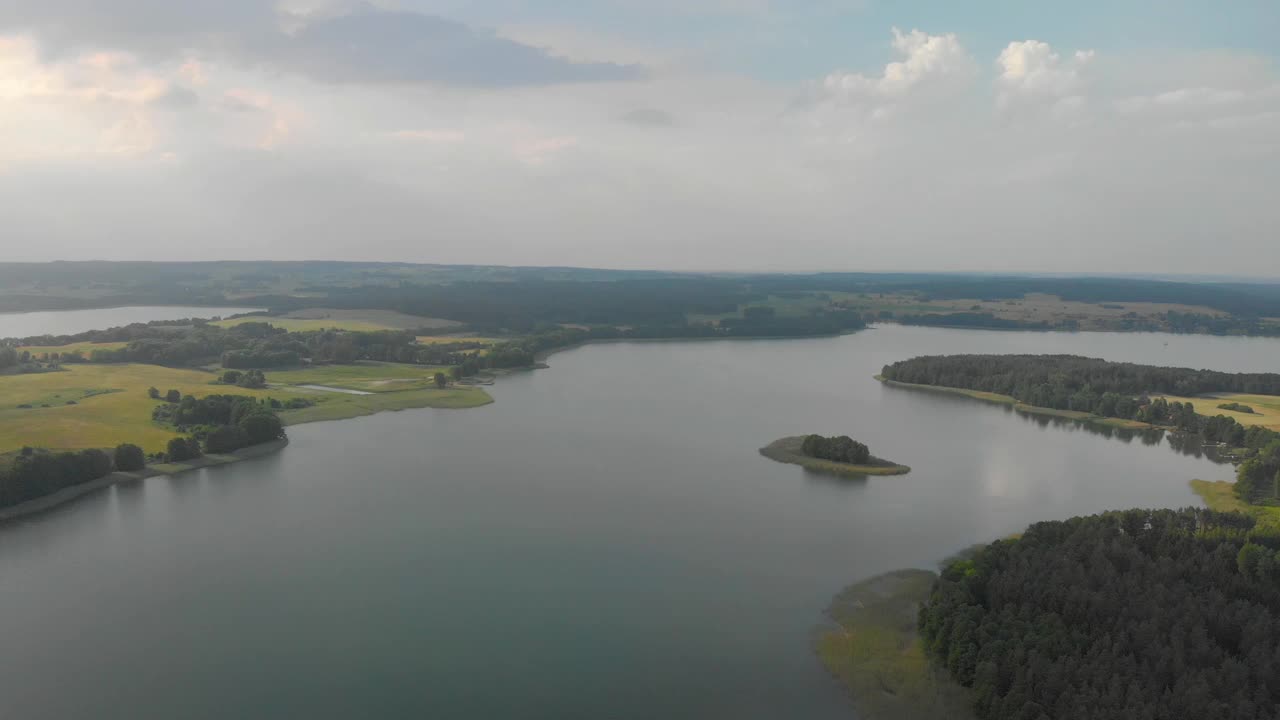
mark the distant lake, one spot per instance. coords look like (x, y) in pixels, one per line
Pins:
(602, 542)
(70, 322)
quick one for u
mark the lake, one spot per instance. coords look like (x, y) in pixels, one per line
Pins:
(602, 542)
(70, 322)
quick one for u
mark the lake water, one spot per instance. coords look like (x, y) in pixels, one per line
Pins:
(70, 322)
(603, 542)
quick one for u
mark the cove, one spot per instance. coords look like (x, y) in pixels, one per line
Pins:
(602, 541)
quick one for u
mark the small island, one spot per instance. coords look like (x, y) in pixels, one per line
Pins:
(835, 455)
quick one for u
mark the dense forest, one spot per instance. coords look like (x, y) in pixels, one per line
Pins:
(1133, 615)
(837, 449)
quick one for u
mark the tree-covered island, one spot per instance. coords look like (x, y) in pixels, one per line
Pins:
(840, 455)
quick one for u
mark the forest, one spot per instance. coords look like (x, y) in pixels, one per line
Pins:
(1100, 387)
(1138, 614)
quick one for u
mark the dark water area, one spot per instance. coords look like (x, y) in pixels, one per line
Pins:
(70, 322)
(602, 542)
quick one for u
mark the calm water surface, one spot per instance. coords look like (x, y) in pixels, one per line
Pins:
(70, 322)
(603, 542)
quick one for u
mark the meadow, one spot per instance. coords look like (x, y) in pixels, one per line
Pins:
(366, 376)
(1219, 495)
(101, 406)
(1266, 408)
(84, 348)
(334, 319)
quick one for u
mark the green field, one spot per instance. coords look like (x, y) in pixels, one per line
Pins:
(366, 376)
(787, 450)
(1219, 495)
(111, 405)
(300, 325)
(84, 348)
(1266, 408)
(874, 650)
(334, 319)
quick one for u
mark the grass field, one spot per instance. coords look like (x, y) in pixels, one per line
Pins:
(1220, 496)
(1266, 408)
(334, 319)
(376, 377)
(444, 339)
(875, 652)
(84, 348)
(112, 406)
(300, 325)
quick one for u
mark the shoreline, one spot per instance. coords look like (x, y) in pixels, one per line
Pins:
(871, 647)
(75, 492)
(1021, 407)
(786, 450)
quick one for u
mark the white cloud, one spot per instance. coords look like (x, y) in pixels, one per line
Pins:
(929, 63)
(1033, 75)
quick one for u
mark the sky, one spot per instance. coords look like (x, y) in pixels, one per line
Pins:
(1000, 136)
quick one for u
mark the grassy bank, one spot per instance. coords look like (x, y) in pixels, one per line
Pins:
(787, 450)
(1219, 495)
(97, 406)
(1022, 407)
(874, 650)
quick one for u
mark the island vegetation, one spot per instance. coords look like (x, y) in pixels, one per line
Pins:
(840, 455)
(1132, 614)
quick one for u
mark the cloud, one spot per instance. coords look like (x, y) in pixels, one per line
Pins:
(929, 63)
(431, 135)
(366, 44)
(371, 45)
(1030, 72)
(648, 117)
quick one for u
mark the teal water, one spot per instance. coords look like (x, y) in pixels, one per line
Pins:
(602, 542)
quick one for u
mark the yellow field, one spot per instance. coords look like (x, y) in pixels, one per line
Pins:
(112, 406)
(1266, 408)
(98, 420)
(85, 348)
(305, 325)
(443, 339)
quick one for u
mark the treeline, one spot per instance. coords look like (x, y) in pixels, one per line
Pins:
(981, 320)
(1055, 378)
(842, 449)
(35, 474)
(1135, 614)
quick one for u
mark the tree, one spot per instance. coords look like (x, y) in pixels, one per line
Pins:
(441, 380)
(251, 379)
(224, 439)
(173, 396)
(180, 449)
(260, 428)
(231, 377)
(129, 458)
(153, 393)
